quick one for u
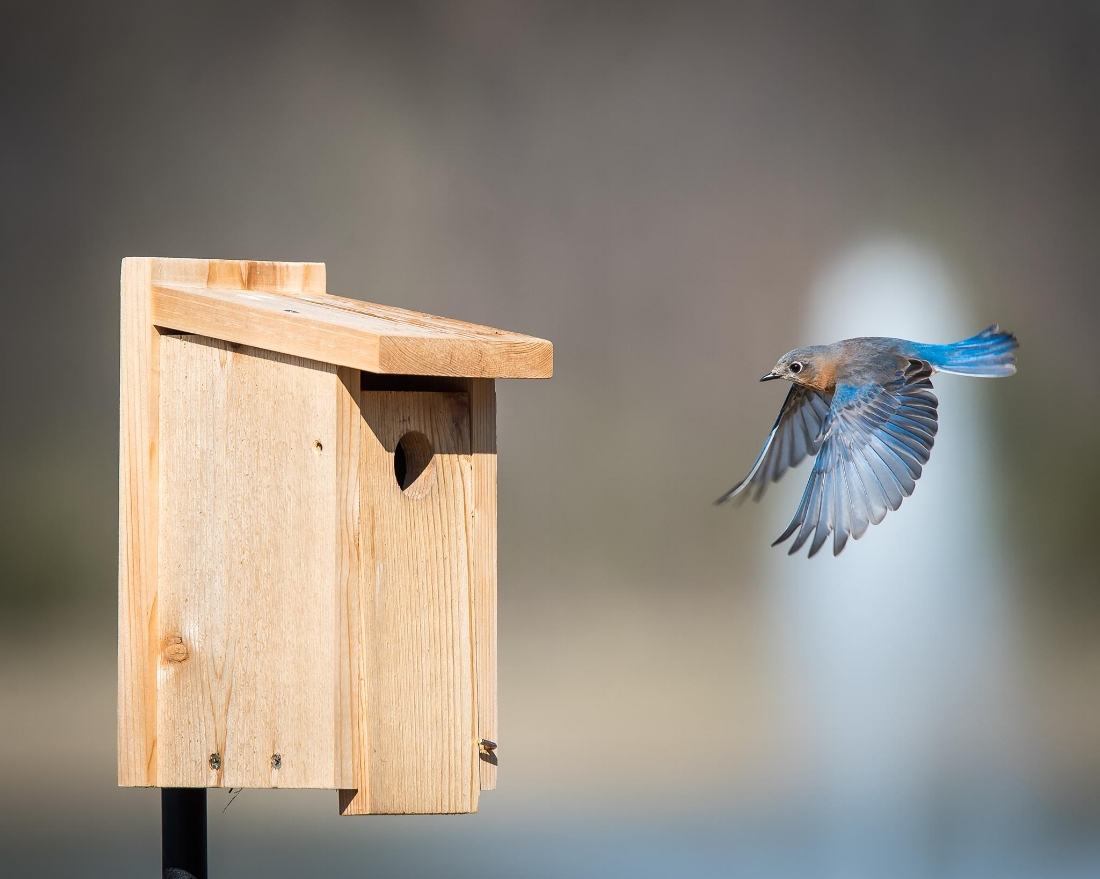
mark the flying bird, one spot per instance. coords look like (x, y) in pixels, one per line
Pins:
(865, 408)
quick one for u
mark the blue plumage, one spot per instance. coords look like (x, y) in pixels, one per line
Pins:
(865, 407)
(990, 354)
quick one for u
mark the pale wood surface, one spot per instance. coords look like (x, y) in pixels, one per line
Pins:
(415, 747)
(441, 547)
(291, 278)
(349, 430)
(138, 477)
(483, 564)
(348, 332)
(482, 538)
(256, 544)
(137, 530)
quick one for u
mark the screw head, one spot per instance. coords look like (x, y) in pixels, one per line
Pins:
(276, 761)
(215, 762)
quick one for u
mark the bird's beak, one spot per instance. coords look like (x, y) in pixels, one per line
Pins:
(771, 376)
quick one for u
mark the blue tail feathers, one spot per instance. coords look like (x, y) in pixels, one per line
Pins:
(989, 354)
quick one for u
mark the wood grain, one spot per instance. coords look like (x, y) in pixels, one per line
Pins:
(256, 544)
(482, 538)
(139, 387)
(483, 565)
(415, 743)
(352, 333)
(275, 603)
(289, 278)
(137, 532)
(348, 442)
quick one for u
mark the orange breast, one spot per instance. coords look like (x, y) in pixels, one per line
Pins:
(824, 378)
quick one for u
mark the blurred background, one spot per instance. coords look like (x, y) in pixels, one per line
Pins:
(675, 194)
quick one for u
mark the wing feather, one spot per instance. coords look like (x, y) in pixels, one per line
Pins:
(813, 512)
(875, 441)
(797, 432)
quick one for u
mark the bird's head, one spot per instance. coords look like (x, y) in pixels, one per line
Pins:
(802, 366)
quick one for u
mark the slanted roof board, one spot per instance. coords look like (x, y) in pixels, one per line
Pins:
(349, 332)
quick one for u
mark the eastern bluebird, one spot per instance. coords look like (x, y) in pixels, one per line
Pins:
(865, 407)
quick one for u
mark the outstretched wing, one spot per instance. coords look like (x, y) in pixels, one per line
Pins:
(795, 434)
(877, 439)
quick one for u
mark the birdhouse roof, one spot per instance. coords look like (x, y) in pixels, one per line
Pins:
(284, 307)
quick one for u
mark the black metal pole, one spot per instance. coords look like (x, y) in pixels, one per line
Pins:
(183, 832)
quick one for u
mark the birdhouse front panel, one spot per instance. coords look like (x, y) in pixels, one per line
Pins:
(417, 745)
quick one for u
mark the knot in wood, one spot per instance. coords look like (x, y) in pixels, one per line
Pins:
(175, 650)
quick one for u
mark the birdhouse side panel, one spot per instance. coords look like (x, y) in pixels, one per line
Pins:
(416, 749)
(137, 543)
(483, 567)
(254, 526)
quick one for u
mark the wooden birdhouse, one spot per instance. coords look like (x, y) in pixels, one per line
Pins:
(307, 548)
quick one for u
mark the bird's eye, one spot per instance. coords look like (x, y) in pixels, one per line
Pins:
(796, 367)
